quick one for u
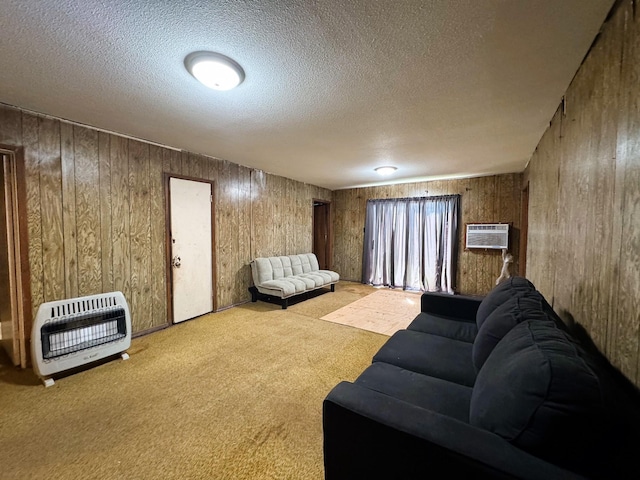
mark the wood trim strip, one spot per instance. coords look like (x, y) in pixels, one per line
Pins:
(23, 276)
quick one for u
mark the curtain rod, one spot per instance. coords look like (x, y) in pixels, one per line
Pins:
(434, 197)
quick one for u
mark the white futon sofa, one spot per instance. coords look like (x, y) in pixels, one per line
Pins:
(284, 277)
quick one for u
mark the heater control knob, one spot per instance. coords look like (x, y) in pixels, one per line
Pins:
(175, 261)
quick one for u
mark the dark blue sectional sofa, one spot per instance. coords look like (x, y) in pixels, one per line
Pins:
(484, 388)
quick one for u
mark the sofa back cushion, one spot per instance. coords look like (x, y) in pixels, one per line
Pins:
(537, 390)
(304, 263)
(296, 264)
(526, 306)
(275, 268)
(261, 270)
(505, 290)
(270, 268)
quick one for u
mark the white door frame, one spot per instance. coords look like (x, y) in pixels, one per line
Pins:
(168, 250)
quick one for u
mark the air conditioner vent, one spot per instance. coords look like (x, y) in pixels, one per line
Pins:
(488, 235)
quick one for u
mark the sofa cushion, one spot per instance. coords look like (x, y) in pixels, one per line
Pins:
(287, 270)
(432, 393)
(285, 287)
(461, 307)
(296, 264)
(431, 355)
(505, 290)
(444, 326)
(537, 391)
(262, 270)
(308, 282)
(333, 276)
(304, 263)
(527, 306)
(318, 280)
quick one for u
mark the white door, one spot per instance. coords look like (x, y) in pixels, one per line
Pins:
(191, 248)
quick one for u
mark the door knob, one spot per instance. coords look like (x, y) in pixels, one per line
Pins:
(175, 262)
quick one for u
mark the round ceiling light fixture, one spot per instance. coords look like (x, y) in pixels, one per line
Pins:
(214, 70)
(385, 171)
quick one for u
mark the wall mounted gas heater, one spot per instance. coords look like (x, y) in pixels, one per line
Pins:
(70, 333)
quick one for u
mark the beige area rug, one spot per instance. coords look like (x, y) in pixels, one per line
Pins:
(384, 311)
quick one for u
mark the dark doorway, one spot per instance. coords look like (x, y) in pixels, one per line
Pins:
(322, 233)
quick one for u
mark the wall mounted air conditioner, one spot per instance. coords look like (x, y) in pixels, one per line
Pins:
(488, 235)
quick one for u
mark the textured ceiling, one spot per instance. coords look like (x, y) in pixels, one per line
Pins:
(438, 88)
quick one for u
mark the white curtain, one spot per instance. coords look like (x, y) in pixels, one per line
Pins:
(411, 243)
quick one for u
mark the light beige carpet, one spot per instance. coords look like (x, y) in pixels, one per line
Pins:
(383, 311)
(232, 395)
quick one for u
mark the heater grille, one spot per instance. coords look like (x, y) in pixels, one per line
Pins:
(70, 333)
(63, 336)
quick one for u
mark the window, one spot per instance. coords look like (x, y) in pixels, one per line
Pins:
(411, 243)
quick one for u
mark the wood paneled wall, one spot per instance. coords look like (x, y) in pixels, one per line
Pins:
(483, 199)
(96, 219)
(584, 216)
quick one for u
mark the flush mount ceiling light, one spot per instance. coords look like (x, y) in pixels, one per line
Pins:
(214, 70)
(385, 171)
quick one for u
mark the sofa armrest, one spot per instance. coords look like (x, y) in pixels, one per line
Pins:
(368, 434)
(462, 307)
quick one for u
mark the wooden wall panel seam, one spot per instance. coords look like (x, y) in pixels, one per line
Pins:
(34, 214)
(69, 208)
(106, 212)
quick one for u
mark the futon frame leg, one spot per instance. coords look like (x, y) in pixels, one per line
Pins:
(254, 294)
(333, 287)
(285, 303)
